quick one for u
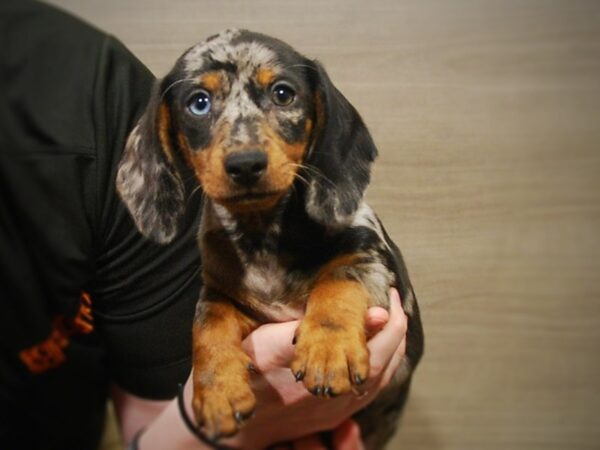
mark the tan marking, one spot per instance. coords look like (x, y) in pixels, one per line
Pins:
(344, 260)
(284, 161)
(308, 127)
(331, 348)
(284, 158)
(209, 167)
(220, 367)
(265, 76)
(253, 206)
(212, 81)
(184, 145)
(164, 128)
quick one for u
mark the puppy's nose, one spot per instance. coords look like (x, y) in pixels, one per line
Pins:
(246, 167)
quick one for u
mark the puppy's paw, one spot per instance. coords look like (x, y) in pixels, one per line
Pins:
(331, 358)
(222, 398)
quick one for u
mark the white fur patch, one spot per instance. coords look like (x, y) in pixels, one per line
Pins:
(365, 217)
(246, 55)
(268, 280)
(265, 276)
(377, 280)
(315, 208)
(193, 59)
(294, 115)
(240, 103)
(408, 304)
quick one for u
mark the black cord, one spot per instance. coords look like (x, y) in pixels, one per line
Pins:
(192, 427)
(133, 445)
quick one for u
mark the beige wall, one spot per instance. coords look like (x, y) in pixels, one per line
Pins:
(487, 117)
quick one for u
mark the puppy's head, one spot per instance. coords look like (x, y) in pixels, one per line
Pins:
(251, 117)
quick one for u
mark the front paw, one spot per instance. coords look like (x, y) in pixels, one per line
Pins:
(330, 358)
(222, 397)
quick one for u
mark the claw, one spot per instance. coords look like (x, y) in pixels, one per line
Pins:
(239, 417)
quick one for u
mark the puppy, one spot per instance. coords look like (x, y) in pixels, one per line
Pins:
(283, 160)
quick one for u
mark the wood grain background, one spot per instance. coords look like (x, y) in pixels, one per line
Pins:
(487, 117)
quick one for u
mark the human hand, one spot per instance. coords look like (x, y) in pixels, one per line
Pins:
(285, 409)
(345, 437)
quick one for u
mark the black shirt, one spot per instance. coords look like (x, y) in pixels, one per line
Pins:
(84, 298)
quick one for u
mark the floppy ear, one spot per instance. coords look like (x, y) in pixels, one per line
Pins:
(342, 153)
(147, 179)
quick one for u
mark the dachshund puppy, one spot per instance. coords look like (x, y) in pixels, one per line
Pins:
(283, 160)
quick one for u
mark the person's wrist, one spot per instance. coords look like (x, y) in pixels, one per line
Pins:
(168, 430)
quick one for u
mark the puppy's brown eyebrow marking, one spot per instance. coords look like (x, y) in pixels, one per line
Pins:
(265, 76)
(212, 81)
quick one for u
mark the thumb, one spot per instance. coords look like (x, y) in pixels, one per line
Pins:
(376, 319)
(271, 345)
(347, 436)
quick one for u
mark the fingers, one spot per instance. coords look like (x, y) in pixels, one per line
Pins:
(311, 442)
(347, 436)
(386, 343)
(394, 364)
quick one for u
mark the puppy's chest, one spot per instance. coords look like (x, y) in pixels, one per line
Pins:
(271, 287)
(263, 268)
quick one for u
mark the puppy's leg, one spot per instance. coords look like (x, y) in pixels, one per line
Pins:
(331, 348)
(222, 394)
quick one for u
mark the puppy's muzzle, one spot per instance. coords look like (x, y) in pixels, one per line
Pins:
(245, 168)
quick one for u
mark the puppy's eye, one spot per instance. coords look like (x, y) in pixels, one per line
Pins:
(282, 94)
(199, 104)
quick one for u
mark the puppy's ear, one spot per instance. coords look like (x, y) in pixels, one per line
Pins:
(147, 179)
(340, 156)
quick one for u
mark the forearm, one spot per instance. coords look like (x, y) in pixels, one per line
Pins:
(169, 431)
(161, 422)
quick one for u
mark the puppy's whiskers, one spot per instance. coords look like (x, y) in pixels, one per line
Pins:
(305, 66)
(196, 189)
(302, 179)
(317, 174)
(174, 83)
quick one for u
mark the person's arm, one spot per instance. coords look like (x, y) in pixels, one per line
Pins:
(286, 410)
